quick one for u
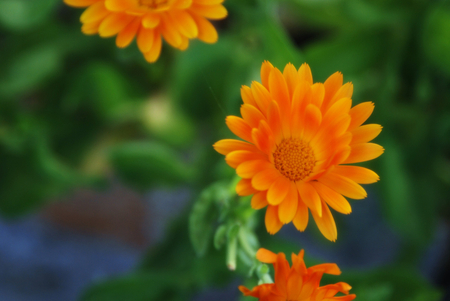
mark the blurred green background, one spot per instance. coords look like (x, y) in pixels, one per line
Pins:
(78, 114)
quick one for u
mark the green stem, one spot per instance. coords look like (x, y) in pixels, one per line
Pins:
(245, 245)
(232, 253)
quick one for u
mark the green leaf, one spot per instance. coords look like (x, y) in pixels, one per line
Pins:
(101, 87)
(138, 287)
(398, 193)
(203, 216)
(436, 37)
(25, 14)
(328, 56)
(390, 284)
(146, 164)
(32, 176)
(399, 201)
(29, 69)
(220, 237)
(232, 246)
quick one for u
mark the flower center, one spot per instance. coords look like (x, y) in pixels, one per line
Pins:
(155, 4)
(294, 159)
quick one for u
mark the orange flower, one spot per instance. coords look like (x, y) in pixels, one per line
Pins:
(297, 283)
(299, 135)
(175, 20)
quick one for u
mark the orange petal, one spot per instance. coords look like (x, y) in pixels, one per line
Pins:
(332, 198)
(264, 179)
(274, 121)
(184, 22)
(273, 224)
(244, 290)
(113, 24)
(326, 223)
(304, 73)
(118, 5)
(298, 264)
(288, 208)
(261, 96)
(366, 133)
(263, 139)
(346, 91)
(247, 96)
(94, 13)
(126, 36)
(244, 187)
(331, 129)
(206, 31)
(280, 93)
(294, 286)
(281, 268)
(266, 68)
(259, 200)
(339, 108)
(291, 77)
(300, 100)
(248, 169)
(313, 118)
(182, 4)
(364, 152)
(266, 256)
(91, 28)
(332, 85)
(155, 51)
(278, 191)
(214, 12)
(340, 156)
(145, 39)
(184, 43)
(333, 144)
(235, 158)
(326, 268)
(360, 113)
(208, 2)
(333, 289)
(358, 174)
(239, 127)
(80, 3)
(170, 33)
(343, 185)
(309, 196)
(251, 115)
(318, 94)
(226, 146)
(151, 20)
(301, 217)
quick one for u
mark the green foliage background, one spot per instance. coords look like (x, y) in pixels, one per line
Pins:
(74, 109)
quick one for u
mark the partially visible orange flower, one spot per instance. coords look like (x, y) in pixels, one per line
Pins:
(299, 136)
(175, 20)
(297, 283)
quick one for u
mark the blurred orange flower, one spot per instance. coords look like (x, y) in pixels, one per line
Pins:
(299, 135)
(297, 283)
(175, 20)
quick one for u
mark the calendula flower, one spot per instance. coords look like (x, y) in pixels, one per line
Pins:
(297, 283)
(176, 21)
(300, 138)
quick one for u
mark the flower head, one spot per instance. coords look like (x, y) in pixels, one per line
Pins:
(300, 138)
(176, 21)
(297, 283)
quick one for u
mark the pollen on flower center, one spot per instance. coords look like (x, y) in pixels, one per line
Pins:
(294, 159)
(154, 4)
